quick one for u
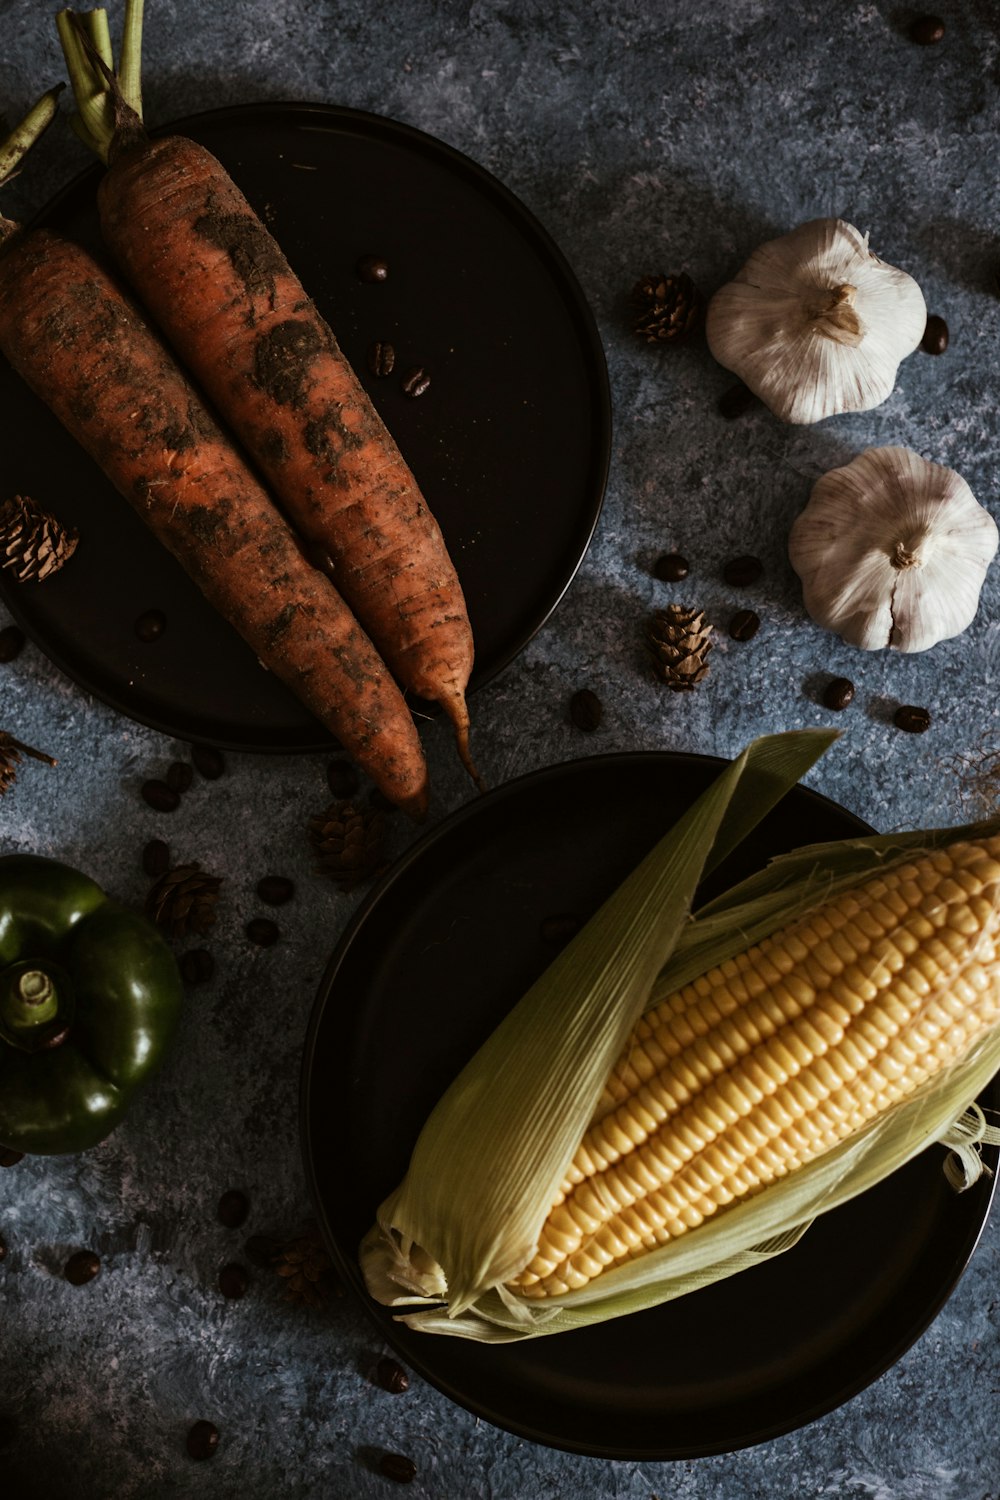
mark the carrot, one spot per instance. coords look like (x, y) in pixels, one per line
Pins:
(219, 287)
(82, 347)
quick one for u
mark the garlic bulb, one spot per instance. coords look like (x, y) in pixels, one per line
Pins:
(892, 551)
(815, 324)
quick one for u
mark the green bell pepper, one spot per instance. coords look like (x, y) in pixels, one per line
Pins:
(89, 996)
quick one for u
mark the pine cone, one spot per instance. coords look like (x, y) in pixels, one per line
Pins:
(679, 640)
(349, 842)
(183, 900)
(32, 541)
(308, 1271)
(666, 308)
(11, 751)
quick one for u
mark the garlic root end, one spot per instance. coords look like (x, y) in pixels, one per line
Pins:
(835, 316)
(904, 556)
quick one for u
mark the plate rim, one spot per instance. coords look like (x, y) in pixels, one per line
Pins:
(593, 356)
(653, 1452)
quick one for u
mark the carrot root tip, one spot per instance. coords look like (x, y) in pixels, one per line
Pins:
(457, 711)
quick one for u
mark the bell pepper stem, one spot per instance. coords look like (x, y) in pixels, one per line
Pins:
(36, 1005)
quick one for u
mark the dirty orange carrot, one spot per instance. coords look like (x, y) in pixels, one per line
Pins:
(218, 285)
(82, 347)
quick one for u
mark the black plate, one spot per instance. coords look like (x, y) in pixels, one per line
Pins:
(446, 943)
(514, 428)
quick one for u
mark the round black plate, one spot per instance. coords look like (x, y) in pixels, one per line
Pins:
(515, 425)
(446, 943)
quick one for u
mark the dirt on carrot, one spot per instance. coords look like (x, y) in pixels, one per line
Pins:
(222, 291)
(82, 346)
(256, 257)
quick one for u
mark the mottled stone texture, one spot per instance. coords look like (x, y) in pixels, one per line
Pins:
(646, 137)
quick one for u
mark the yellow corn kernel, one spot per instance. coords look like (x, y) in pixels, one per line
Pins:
(776, 1055)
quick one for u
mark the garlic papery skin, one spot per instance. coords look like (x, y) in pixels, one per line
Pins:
(815, 324)
(892, 550)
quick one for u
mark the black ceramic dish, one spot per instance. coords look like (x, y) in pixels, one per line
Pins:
(515, 423)
(445, 944)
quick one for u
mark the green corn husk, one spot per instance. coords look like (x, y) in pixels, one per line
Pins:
(486, 1166)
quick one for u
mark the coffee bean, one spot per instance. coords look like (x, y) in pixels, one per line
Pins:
(734, 402)
(927, 31)
(161, 798)
(233, 1280)
(10, 1158)
(391, 1376)
(197, 966)
(838, 693)
(81, 1267)
(373, 268)
(275, 890)
(585, 710)
(262, 931)
(233, 1209)
(744, 624)
(342, 778)
(911, 718)
(671, 568)
(156, 858)
(415, 381)
(179, 776)
(208, 761)
(150, 625)
(935, 339)
(739, 572)
(12, 640)
(381, 358)
(202, 1440)
(396, 1466)
(558, 929)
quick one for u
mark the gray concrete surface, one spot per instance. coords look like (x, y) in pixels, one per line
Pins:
(645, 137)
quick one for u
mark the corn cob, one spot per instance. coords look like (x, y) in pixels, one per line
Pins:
(775, 1056)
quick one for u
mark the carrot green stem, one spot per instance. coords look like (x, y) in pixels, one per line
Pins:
(130, 62)
(109, 105)
(21, 139)
(95, 114)
(99, 32)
